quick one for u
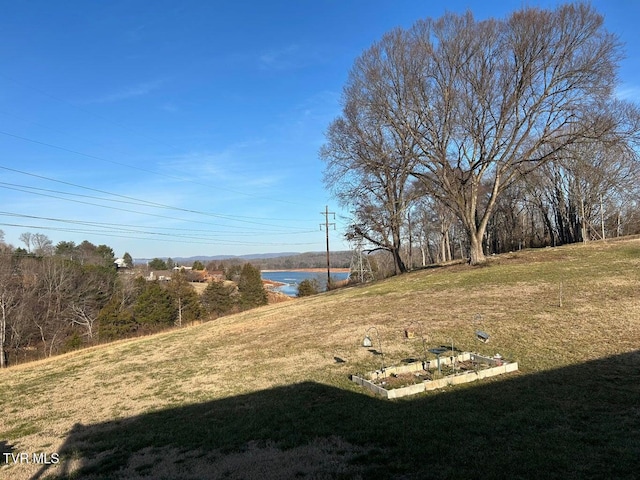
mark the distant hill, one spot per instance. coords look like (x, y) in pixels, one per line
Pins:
(205, 258)
(283, 260)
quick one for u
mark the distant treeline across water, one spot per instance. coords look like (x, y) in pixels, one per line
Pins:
(291, 279)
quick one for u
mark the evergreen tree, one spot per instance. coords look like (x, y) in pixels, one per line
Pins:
(308, 287)
(128, 261)
(198, 265)
(66, 250)
(105, 256)
(218, 299)
(154, 308)
(158, 264)
(185, 299)
(252, 292)
(115, 320)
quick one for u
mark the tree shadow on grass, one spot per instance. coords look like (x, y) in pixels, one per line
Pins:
(5, 449)
(581, 421)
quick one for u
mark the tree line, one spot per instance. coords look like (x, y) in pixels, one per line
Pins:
(461, 138)
(67, 296)
(339, 259)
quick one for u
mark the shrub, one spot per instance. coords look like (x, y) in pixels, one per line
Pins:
(308, 287)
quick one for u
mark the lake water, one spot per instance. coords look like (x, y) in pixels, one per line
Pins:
(293, 279)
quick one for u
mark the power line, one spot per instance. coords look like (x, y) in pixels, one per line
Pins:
(123, 199)
(173, 230)
(137, 212)
(167, 238)
(173, 177)
(326, 214)
(133, 200)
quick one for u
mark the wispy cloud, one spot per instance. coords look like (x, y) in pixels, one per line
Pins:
(628, 92)
(135, 34)
(131, 91)
(320, 104)
(307, 120)
(170, 107)
(280, 58)
(231, 168)
(290, 57)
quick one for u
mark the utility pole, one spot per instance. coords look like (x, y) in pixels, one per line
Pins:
(410, 240)
(360, 266)
(602, 216)
(326, 214)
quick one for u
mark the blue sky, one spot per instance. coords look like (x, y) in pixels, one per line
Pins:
(180, 128)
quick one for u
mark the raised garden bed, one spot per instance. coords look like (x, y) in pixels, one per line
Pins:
(417, 377)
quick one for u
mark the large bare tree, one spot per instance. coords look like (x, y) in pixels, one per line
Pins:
(369, 157)
(500, 98)
(485, 103)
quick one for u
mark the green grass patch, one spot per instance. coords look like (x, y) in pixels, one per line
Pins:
(21, 430)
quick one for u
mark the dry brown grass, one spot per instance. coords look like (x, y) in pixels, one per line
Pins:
(518, 296)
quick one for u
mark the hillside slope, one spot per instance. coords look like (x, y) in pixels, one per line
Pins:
(266, 393)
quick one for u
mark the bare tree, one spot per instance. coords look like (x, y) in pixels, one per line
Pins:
(26, 239)
(369, 158)
(92, 288)
(9, 300)
(482, 104)
(509, 96)
(5, 248)
(51, 294)
(578, 194)
(186, 299)
(42, 245)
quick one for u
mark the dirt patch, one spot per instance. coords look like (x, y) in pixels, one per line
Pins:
(278, 297)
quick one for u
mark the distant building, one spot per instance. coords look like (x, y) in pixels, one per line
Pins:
(120, 263)
(216, 275)
(200, 276)
(160, 275)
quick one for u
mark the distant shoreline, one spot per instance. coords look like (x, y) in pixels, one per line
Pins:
(310, 270)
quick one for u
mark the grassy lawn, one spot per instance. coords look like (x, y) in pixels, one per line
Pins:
(266, 393)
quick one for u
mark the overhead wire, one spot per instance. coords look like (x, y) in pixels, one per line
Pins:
(146, 170)
(182, 179)
(122, 226)
(281, 229)
(130, 200)
(168, 239)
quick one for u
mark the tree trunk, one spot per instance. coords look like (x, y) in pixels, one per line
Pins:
(44, 340)
(583, 227)
(476, 228)
(400, 267)
(3, 334)
(475, 248)
(447, 245)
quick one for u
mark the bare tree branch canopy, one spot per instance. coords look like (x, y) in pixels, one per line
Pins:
(369, 156)
(469, 107)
